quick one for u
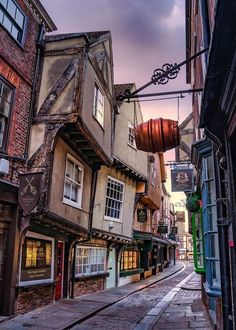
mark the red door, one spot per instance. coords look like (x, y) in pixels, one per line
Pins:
(59, 279)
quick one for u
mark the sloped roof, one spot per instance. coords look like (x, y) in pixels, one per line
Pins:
(90, 36)
(120, 89)
(41, 12)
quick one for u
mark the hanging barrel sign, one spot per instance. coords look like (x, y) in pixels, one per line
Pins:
(157, 135)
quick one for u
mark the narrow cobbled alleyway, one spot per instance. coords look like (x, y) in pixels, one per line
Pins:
(169, 300)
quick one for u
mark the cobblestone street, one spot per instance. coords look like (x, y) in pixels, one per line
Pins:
(168, 300)
(185, 311)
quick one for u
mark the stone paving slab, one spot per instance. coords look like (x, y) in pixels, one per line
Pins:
(82, 307)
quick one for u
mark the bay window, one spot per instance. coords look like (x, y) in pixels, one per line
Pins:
(210, 231)
(90, 260)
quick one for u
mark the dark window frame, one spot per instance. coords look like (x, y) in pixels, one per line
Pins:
(3, 145)
(14, 25)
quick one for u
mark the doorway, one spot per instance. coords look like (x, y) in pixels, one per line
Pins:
(111, 268)
(60, 266)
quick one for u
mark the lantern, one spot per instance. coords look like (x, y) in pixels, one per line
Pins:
(157, 135)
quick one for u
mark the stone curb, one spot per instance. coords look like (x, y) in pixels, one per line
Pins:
(149, 320)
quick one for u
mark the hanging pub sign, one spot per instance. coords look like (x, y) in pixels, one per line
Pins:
(182, 180)
(180, 216)
(174, 230)
(172, 236)
(162, 229)
(142, 215)
(29, 191)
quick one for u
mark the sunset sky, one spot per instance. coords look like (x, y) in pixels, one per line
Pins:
(145, 35)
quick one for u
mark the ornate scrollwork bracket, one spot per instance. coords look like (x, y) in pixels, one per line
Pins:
(167, 72)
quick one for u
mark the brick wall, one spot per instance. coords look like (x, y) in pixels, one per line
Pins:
(219, 316)
(218, 309)
(21, 61)
(88, 286)
(42, 295)
(21, 58)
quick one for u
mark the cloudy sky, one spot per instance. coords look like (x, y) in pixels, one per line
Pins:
(145, 34)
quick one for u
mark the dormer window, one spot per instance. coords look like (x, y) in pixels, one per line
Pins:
(12, 19)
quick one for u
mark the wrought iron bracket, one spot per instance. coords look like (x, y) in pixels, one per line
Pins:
(223, 222)
(160, 76)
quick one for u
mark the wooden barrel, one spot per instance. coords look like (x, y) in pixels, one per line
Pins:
(157, 135)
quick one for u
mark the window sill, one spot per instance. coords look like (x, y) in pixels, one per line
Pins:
(129, 272)
(112, 219)
(28, 285)
(87, 277)
(72, 204)
(212, 292)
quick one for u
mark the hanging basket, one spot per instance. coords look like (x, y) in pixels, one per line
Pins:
(193, 203)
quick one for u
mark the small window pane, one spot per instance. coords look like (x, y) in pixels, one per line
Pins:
(11, 8)
(4, 3)
(19, 18)
(67, 189)
(1, 16)
(7, 23)
(74, 192)
(14, 32)
(69, 169)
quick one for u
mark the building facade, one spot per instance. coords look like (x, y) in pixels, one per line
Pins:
(22, 27)
(74, 101)
(208, 24)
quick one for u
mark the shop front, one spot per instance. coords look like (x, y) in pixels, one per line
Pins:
(8, 241)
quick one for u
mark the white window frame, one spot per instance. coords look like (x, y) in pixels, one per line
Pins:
(90, 259)
(131, 136)
(99, 105)
(67, 200)
(10, 20)
(30, 234)
(114, 200)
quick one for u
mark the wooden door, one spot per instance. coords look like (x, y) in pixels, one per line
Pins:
(60, 265)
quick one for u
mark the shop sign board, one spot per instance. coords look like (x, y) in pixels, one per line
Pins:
(142, 215)
(162, 229)
(182, 180)
(29, 191)
(180, 216)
